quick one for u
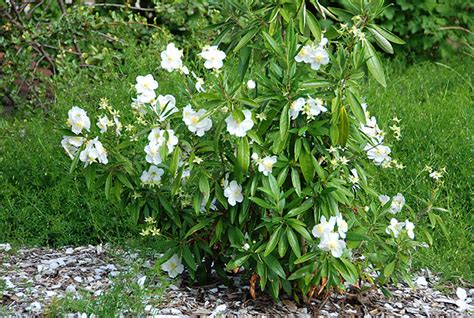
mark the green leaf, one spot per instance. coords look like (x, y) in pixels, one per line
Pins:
(295, 180)
(308, 204)
(343, 127)
(356, 107)
(123, 178)
(172, 213)
(306, 163)
(246, 38)
(382, 42)
(273, 241)
(108, 186)
(387, 34)
(373, 63)
(301, 272)
(293, 240)
(313, 25)
(306, 257)
(284, 123)
(204, 186)
(175, 161)
(272, 43)
(189, 258)
(274, 266)
(243, 154)
(282, 244)
(90, 176)
(388, 270)
(244, 60)
(238, 262)
(262, 203)
(196, 227)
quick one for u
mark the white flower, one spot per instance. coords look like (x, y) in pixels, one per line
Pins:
(296, 107)
(146, 97)
(314, 107)
(72, 145)
(246, 247)
(78, 120)
(152, 151)
(196, 122)
(354, 177)
(265, 165)
(251, 84)
(383, 198)
(394, 228)
(173, 266)
(323, 41)
(324, 227)
(145, 84)
(239, 128)
(410, 227)
(152, 176)
(160, 137)
(436, 175)
(233, 193)
(103, 123)
(213, 57)
(342, 226)
(372, 130)
(319, 57)
(304, 55)
(171, 58)
(164, 106)
(254, 156)
(93, 152)
(118, 126)
(463, 301)
(397, 203)
(185, 70)
(378, 154)
(199, 85)
(331, 242)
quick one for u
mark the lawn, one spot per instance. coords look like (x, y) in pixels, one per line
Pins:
(435, 106)
(40, 204)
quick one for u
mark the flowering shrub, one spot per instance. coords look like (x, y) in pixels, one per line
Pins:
(257, 163)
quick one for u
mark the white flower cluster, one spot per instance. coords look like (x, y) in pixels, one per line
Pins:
(158, 140)
(397, 203)
(396, 228)
(311, 107)
(315, 55)
(331, 241)
(93, 151)
(152, 176)
(376, 150)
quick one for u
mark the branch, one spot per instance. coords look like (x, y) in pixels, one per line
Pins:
(121, 6)
(456, 28)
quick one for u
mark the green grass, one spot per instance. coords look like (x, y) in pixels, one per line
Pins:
(436, 110)
(125, 296)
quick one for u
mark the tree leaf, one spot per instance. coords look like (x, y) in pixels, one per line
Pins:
(273, 241)
(293, 240)
(373, 63)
